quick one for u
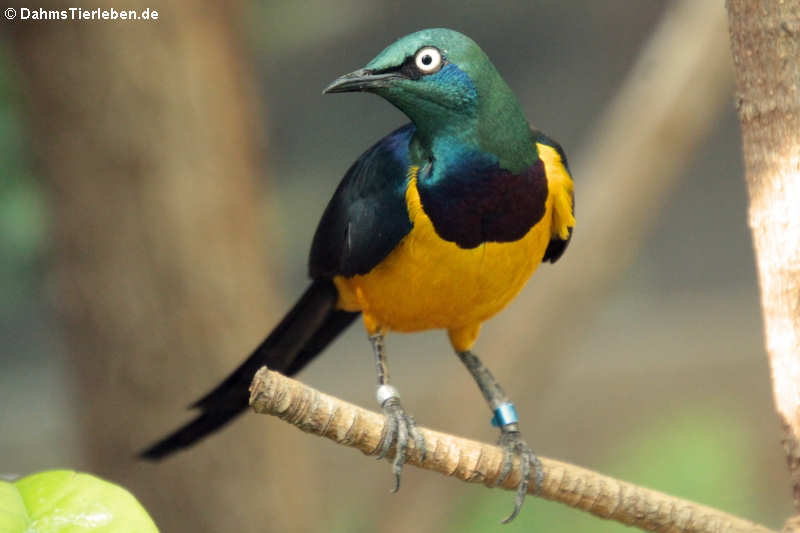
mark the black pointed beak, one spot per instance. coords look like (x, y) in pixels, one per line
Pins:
(361, 80)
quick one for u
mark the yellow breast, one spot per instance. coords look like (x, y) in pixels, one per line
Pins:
(429, 283)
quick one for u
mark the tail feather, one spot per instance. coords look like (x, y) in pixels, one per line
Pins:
(304, 332)
(284, 342)
(336, 322)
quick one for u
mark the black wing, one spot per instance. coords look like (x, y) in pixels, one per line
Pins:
(367, 216)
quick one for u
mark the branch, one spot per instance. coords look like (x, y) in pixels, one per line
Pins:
(344, 423)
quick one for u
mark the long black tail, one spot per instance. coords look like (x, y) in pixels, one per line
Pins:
(302, 334)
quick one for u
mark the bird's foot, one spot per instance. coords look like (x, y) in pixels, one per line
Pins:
(400, 426)
(513, 444)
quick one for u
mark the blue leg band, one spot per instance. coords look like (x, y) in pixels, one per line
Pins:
(504, 415)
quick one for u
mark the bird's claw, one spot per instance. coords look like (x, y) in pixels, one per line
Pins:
(399, 427)
(513, 444)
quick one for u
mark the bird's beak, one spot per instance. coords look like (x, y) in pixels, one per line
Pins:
(361, 80)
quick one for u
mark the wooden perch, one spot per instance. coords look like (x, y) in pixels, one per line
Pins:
(344, 423)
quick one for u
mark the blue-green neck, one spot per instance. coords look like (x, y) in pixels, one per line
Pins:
(488, 120)
(510, 149)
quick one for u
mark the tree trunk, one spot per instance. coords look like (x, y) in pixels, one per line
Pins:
(765, 41)
(145, 133)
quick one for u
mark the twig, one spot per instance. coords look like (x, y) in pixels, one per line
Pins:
(476, 462)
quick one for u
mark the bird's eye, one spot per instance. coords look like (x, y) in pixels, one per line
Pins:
(428, 60)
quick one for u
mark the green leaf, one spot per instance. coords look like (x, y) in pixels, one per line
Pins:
(64, 501)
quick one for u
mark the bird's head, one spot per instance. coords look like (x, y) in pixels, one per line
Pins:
(441, 80)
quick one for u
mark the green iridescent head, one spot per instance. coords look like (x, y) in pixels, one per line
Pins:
(446, 85)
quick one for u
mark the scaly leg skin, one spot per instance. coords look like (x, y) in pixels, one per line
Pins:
(505, 416)
(399, 425)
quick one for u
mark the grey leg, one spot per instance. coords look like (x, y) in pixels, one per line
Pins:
(511, 440)
(399, 425)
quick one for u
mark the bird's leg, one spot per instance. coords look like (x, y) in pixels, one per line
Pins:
(505, 416)
(399, 424)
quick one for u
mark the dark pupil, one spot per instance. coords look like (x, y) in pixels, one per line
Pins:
(427, 59)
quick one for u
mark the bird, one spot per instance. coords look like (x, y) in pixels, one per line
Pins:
(438, 225)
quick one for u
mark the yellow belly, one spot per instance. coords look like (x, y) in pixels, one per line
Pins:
(430, 283)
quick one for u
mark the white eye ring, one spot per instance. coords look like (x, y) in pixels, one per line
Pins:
(428, 60)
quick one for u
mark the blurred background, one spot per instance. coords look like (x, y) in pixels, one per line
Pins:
(160, 186)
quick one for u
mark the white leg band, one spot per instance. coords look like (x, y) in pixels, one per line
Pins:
(385, 393)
